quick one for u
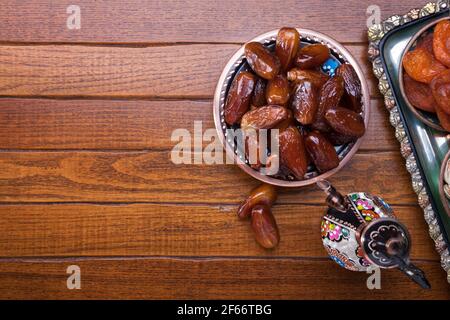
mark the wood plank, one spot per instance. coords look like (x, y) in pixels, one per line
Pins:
(135, 21)
(151, 176)
(121, 72)
(171, 230)
(128, 125)
(162, 278)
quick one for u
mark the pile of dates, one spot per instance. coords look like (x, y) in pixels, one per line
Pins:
(287, 90)
(427, 75)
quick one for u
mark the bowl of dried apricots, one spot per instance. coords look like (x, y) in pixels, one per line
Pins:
(304, 85)
(425, 75)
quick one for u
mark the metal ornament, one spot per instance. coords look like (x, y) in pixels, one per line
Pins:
(375, 34)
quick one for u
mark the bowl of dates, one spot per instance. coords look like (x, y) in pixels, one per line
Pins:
(302, 85)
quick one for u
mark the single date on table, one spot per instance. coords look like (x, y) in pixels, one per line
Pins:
(225, 309)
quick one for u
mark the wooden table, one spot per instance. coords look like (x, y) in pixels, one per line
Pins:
(86, 117)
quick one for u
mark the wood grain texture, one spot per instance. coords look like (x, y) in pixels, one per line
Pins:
(129, 125)
(137, 21)
(171, 230)
(86, 176)
(166, 278)
(93, 71)
(151, 176)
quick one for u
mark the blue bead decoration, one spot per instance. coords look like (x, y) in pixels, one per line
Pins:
(330, 66)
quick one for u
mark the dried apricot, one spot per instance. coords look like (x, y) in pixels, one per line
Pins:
(441, 42)
(443, 117)
(421, 65)
(426, 42)
(440, 87)
(419, 94)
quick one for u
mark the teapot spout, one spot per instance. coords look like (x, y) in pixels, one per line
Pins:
(395, 250)
(415, 274)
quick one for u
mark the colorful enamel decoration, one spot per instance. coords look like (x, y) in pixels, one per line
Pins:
(359, 231)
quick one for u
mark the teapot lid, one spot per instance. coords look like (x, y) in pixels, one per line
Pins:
(384, 241)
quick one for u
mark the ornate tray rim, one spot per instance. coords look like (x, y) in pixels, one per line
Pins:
(375, 34)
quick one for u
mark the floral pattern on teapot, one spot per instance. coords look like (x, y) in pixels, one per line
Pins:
(339, 230)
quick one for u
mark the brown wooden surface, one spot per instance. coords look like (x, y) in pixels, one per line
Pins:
(86, 118)
(174, 71)
(243, 278)
(135, 125)
(179, 230)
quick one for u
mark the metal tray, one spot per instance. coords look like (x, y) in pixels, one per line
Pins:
(423, 148)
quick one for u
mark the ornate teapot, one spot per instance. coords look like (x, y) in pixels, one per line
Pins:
(359, 231)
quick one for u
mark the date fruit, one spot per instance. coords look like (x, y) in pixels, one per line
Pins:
(421, 65)
(289, 121)
(338, 139)
(317, 78)
(293, 152)
(259, 93)
(441, 42)
(352, 85)
(238, 98)
(287, 44)
(321, 151)
(265, 194)
(312, 56)
(263, 62)
(265, 227)
(266, 117)
(330, 95)
(321, 126)
(346, 122)
(278, 90)
(305, 102)
(419, 94)
(440, 87)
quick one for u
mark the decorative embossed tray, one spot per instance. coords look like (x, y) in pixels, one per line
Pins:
(423, 147)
